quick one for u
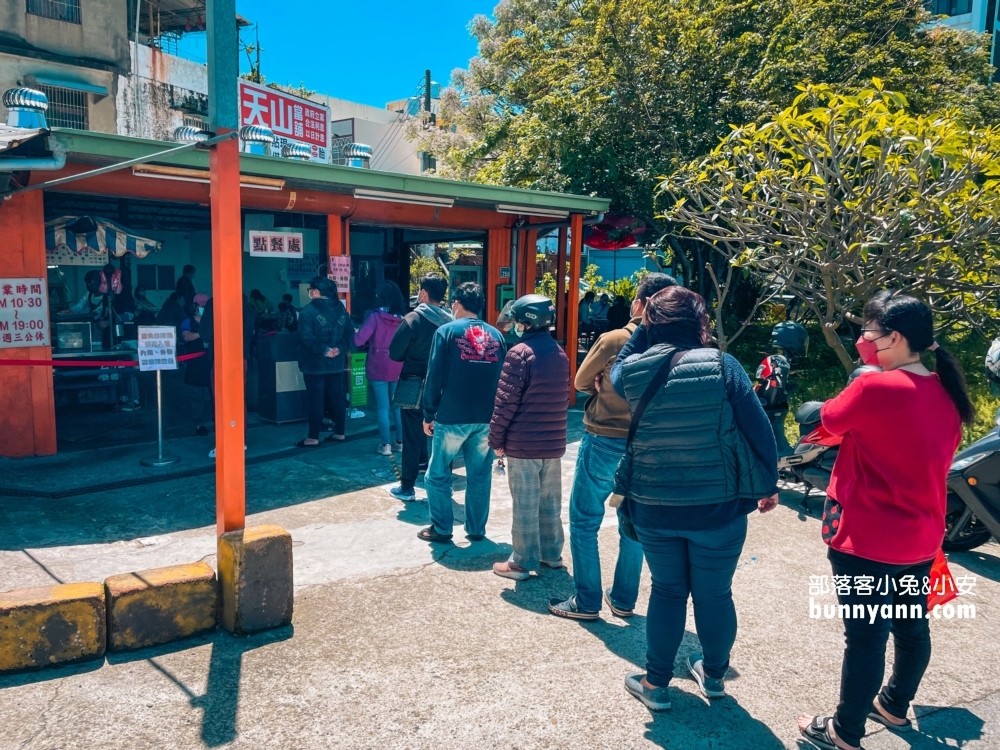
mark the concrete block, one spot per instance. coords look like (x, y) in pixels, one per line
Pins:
(255, 579)
(51, 625)
(161, 605)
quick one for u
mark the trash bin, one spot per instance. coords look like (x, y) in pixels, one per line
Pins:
(359, 381)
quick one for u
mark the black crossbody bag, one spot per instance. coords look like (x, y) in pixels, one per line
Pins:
(624, 516)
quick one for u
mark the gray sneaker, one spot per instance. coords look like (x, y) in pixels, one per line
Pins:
(655, 700)
(710, 686)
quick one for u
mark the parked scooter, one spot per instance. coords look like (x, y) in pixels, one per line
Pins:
(773, 387)
(973, 514)
(811, 462)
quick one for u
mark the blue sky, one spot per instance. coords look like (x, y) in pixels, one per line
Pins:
(369, 52)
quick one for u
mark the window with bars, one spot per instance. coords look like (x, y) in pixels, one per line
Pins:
(67, 108)
(60, 10)
(196, 122)
(949, 7)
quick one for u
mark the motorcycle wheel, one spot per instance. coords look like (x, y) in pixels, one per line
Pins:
(973, 535)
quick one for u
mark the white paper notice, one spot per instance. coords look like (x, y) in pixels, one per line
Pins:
(157, 348)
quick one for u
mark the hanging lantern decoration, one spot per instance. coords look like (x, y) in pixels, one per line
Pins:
(615, 231)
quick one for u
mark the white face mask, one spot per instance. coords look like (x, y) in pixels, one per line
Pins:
(201, 310)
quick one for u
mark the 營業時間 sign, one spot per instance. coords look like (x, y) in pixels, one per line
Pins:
(290, 118)
(271, 244)
(24, 313)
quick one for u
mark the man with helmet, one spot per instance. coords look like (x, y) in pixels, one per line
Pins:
(529, 428)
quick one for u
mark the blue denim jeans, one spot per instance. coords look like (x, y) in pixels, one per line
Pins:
(473, 441)
(594, 482)
(700, 564)
(384, 391)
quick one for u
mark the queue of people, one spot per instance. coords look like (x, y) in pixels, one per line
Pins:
(678, 440)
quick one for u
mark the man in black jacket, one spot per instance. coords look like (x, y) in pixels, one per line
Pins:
(462, 378)
(411, 345)
(325, 331)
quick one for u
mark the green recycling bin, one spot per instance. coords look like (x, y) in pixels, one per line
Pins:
(359, 381)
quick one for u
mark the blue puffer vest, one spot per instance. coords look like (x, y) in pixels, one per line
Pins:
(687, 449)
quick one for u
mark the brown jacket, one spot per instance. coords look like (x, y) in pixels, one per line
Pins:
(606, 413)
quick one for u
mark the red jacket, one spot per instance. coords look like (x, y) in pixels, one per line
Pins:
(529, 413)
(900, 434)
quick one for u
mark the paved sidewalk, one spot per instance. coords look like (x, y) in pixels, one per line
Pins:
(401, 644)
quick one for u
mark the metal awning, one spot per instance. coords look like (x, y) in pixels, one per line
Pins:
(158, 17)
(13, 137)
(68, 83)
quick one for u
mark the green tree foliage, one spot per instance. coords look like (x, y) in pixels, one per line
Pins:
(603, 96)
(842, 195)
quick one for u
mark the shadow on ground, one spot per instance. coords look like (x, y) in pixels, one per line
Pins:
(217, 705)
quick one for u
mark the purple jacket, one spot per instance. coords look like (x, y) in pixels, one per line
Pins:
(529, 414)
(377, 332)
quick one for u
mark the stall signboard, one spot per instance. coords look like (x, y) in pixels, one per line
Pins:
(290, 118)
(63, 256)
(157, 348)
(340, 273)
(24, 313)
(273, 244)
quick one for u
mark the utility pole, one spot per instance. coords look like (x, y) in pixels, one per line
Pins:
(256, 44)
(429, 161)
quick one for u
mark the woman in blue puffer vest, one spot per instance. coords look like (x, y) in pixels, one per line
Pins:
(702, 457)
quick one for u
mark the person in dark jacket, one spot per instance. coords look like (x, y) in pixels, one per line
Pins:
(529, 429)
(325, 331)
(411, 345)
(466, 359)
(185, 287)
(702, 457)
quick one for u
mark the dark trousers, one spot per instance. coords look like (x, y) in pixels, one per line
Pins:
(414, 446)
(864, 655)
(323, 392)
(698, 565)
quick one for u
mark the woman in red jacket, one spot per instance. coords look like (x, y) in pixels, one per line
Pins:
(885, 512)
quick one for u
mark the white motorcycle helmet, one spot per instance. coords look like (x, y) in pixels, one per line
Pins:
(993, 367)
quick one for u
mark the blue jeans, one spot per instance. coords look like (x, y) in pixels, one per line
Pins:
(594, 482)
(384, 391)
(473, 441)
(700, 564)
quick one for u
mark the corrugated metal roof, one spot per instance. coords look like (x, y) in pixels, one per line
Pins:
(14, 137)
(102, 148)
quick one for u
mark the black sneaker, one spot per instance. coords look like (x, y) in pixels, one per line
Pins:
(569, 609)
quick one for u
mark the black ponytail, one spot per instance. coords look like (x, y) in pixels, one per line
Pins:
(950, 373)
(913, 320)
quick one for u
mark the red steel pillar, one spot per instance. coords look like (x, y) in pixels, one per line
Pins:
(227, 292)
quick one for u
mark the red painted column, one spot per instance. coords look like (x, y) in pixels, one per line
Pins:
(561, 317)
(338, 242)
(529, 264)
(573, 318)
(227, 291)
(27, 402)
(497, 255)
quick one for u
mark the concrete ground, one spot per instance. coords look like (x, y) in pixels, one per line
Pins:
(397, 643)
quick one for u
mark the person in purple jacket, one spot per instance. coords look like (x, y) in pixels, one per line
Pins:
(529, 428)
(376, 333)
